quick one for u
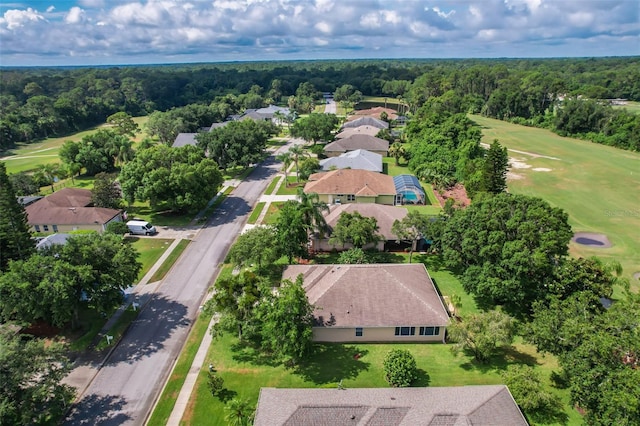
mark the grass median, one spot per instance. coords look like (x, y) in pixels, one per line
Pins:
(169, 261)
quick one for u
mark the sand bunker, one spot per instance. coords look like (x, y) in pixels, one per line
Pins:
(591, 240)
(518, 163)
(514, 176)
(637, 275)
(541, 169)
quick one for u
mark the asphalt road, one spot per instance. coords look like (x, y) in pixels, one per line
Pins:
(126, 387)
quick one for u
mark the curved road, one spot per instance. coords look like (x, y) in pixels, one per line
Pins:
(124, 390)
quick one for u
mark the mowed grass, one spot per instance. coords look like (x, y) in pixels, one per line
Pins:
(169, 261)
(272, 185)
(255, 214)
(290, 187)
(150, 250)
(244, 372)
(630, 106)
(27, 157)
(596, 185)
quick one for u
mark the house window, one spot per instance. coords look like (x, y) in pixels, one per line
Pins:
(45, 228)
(359, 332)
(351, 197)
(405, 331)
(55, 228)
(429, 331)
(37, 228)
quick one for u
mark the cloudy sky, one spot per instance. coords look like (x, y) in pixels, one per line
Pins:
(97, 32)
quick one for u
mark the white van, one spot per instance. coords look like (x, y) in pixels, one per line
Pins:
(141, 227)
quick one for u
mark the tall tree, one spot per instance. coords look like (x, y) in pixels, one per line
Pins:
(106, 192)
(286, 321)
(413, 227)
(315, 127)
(397, 151)
(355, 229)
(254, 246)
(494, 169)
(286, 160)
(482, 334)
(123, 124)
(312, 211)
(528, 390)
(15, 237)
(291, 231)
(297, 152)
(31, 389)
(508, 247)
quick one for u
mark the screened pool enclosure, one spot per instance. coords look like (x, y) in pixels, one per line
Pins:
(408, 190)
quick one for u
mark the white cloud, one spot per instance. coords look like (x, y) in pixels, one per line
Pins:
(14, 18)
(251, 29)
(75, 15)
(51, 9)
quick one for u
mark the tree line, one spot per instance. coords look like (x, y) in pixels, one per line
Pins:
(41, 102)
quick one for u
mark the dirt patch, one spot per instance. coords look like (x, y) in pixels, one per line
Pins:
(541, 169)
(518, 163)
(637, 276)
(514, 176)
(457, 192)
(591, 240)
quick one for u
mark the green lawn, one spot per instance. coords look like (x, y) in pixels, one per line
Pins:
(26, 157)
(255, 214)
(159, 217)
(291, 187)
(244, 372)
(169, 261)
(272, 213)
(272, 185)
(630, 106)
(150, 250)
(595, 184)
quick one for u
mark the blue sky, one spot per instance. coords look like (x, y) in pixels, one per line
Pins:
(104, 32)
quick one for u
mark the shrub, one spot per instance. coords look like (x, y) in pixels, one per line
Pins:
(400, 368)
(119, 228)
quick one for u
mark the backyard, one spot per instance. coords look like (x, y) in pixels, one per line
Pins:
(595, 184)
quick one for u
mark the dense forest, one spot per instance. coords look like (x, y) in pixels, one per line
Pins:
(565, 95)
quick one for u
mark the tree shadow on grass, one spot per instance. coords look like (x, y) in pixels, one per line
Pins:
(244, 352)
(225, 395)
(331, 363)
(422, 379)
(509, 355)
(553, 414)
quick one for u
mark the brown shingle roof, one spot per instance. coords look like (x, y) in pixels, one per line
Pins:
(385, 215)
(374, 112)
(358, 141)
(459, 405)
(68, 206)
(350, 181)
(376, 295)
(361, 130)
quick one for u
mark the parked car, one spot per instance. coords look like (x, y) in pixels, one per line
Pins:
(141, 227)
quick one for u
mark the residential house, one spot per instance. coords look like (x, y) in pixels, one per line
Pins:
(359, 141)
(69, 209)
(434, 406)
(362, 130)
(374, 112)
(352, 186)
(384, 215)
(395, 302)
(366, 121)
(360, 159)
(184, 139)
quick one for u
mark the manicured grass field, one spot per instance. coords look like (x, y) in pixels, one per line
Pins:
(255, 214)
(272, 213)
(630, 106)
(596, 185)
(291, 188)
(169, 261)
(244, 372)
(150, 250)
(27, 157)
(272, 185)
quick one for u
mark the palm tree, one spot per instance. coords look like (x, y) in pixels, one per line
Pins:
(286, 159)
(397, 151)
(312, 209)
(239, 412)
(296, 152)
(49, 172)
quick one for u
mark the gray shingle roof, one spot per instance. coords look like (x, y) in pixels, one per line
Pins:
(366, 121)
(184, 139)
(360, 159)
(460, 405)
(385, 215)
(375, 295)
(359, 141)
